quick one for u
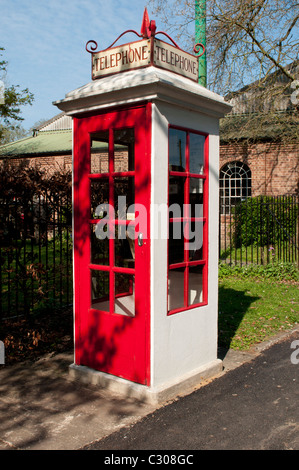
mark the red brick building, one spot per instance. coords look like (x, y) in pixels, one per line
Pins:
(259, 153)
(266, 165)
(49, 147)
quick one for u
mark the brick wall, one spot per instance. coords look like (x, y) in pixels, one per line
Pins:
(49, 163)
(99, 162)
(274, 172)
(274, 166)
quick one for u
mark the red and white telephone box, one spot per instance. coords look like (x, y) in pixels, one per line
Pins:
(145, 231)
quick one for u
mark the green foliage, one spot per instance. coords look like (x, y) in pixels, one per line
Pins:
(13, 100)
(12, 133)
(275, 270)
(3, 63)
(10, 110)
(264, 220)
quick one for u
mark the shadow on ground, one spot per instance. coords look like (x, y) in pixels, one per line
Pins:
(39, 403)
(233, 305)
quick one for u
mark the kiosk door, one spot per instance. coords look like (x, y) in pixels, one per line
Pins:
(111, 242)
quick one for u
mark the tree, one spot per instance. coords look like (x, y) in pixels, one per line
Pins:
(12, 133)
(10, 106)
(247, 42)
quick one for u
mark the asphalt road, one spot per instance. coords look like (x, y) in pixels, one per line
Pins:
(253, 407)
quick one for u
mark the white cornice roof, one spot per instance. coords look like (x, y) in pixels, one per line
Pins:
(147, 84)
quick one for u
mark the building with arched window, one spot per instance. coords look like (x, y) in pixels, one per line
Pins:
(267, 151)
(235, 185)
(259, 147)
(259, 140)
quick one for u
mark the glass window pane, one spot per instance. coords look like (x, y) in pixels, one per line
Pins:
(99, 245)
(99, 153)
(176, 243)
(124, 197)
(196, 197)
(196, 153)
(100, 290)
(195, 285)
(124, 303)
(176, 196)
(176, 288)
(99, 198)
(177, 150)
(125, 246)
(124, 150)
(194, 235)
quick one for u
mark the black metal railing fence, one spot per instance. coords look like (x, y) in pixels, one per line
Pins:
(35, 251)
(36, 245)
(260, 230)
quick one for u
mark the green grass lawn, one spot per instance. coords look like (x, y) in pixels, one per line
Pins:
(252, 309)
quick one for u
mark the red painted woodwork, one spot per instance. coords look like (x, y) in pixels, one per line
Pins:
(186, 264)
(104, 340)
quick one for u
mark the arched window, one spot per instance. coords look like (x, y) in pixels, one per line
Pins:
(235, 185)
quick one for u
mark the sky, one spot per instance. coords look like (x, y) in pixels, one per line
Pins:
(44, 42)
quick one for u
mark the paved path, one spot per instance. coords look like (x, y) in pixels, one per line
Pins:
(252, 405)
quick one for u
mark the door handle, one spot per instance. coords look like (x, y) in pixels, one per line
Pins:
(140, 239)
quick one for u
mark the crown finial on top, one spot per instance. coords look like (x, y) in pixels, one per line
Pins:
(145, 26)
(148, 28)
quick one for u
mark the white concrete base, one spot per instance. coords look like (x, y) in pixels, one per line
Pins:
(155, 396)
